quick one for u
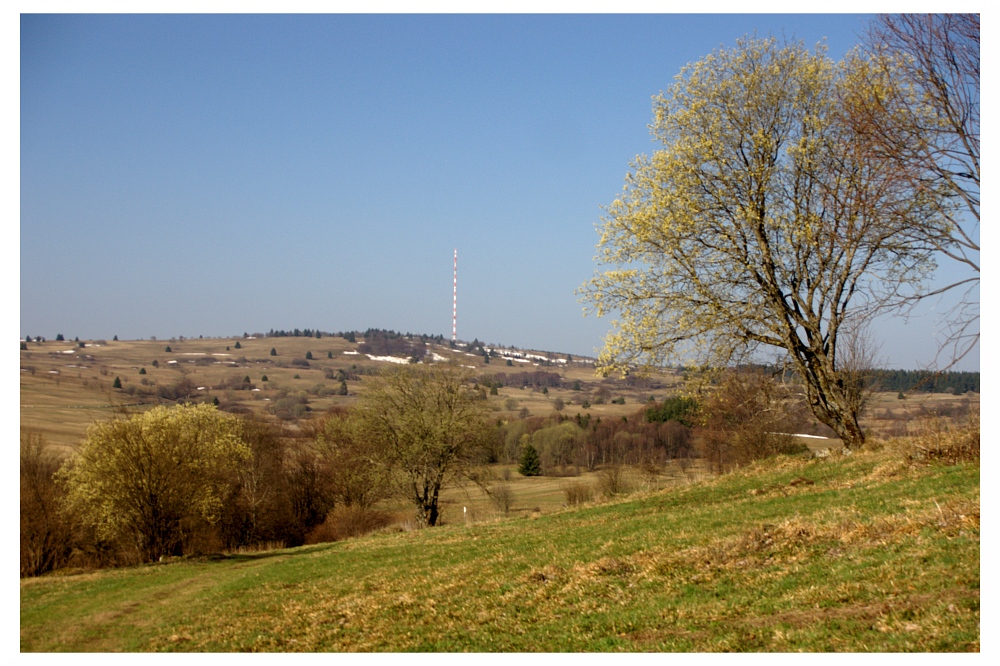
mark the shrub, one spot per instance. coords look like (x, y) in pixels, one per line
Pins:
(346, 522)
(577, 492)
(612, 480)
(167, 349)
(117, 383)
(45, 533)
(502, 497)
(309, 355)
(274, 352)
(143, 481)
(142, 371)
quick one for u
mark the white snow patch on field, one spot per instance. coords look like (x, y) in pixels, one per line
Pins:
(201, 388)
(437, 357)
(220, 354)
(352, 352)
(171, 362)
(192, 353)
(388, 359)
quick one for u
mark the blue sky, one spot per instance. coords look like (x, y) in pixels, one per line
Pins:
(210, 175)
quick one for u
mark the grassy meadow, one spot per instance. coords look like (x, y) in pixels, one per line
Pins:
(875, 551)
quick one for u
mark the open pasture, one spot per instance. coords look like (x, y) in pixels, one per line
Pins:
(65, 387)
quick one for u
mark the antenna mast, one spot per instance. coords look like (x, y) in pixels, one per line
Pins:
(454, 302)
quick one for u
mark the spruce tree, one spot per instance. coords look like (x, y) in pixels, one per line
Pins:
(117, 384)
(530, 465)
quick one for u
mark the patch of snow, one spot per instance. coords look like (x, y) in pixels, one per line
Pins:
(53, 372)
(171, 362)
(469, 366)
(521, 360)
(352, 352)
(250, 337)
(389, 359)
(201, 388)
(472, 355)
(255, 389)
(68, 351)
(192, 353)
(220, 354)
(437, 357)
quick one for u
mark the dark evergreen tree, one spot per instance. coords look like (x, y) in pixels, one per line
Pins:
(142, 371)
(343, 389)
(117, 384)
(167, 349)
(530, 464)
(274, 352)
(115, 338)
(156, 363)
(59, 337)
(237, 345)
(309, 355)
(264, 378)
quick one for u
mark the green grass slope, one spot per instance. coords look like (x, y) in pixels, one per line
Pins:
(858, 553)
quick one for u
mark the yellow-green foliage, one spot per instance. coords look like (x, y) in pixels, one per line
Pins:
(761, 222)
(136, 479)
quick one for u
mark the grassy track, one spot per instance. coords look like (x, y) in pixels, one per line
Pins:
(872, 555)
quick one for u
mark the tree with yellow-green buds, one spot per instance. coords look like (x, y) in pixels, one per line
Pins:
(140, 481)
(761, 224)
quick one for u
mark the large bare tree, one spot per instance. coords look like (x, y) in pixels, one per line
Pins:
(762, 223)
(916, 103)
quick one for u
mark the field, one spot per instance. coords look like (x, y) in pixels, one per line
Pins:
(64, 388)
(877, 551)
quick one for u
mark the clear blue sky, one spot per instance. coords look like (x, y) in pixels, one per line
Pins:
(210, 175)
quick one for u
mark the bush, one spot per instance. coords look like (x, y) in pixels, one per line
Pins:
(612, 480)
(117, 383)
(502, 497)
(148, 482)
(745, 419)
(346, 522)
(45, 533)
(274, 352)
(577, 492)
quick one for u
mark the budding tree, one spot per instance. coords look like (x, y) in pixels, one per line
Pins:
(426, 425)
(761, 224)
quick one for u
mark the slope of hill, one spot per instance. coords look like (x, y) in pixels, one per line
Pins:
(868, 552)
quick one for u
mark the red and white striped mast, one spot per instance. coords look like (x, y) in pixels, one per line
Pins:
(454, 302)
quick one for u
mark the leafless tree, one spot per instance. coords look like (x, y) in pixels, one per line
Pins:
(924, 117)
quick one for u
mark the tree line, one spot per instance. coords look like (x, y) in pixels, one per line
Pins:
(190, 478)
